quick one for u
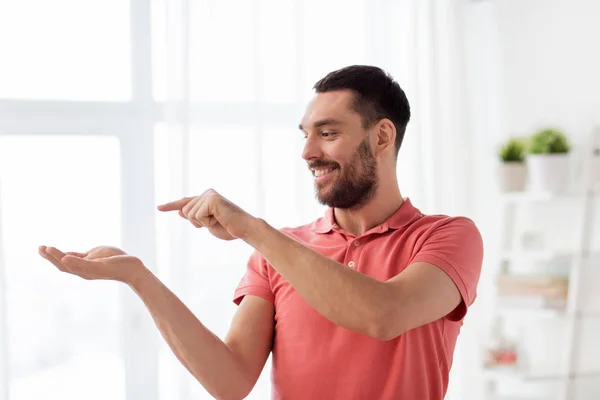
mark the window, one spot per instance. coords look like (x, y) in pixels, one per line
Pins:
(62, 50)
(64, 332)
(251, 69)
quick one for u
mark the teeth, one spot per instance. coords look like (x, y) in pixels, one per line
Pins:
(320, 172)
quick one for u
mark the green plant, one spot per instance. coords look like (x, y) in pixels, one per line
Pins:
(549, 141)
(513, 150)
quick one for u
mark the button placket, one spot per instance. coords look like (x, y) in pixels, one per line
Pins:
(353, 253)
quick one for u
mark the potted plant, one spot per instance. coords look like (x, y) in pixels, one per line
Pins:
(513, 170)
(548, 161)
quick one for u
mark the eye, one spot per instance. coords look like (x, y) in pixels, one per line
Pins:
(327, 134)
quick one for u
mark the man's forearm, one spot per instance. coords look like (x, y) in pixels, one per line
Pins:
(345, 297)
(206, 356)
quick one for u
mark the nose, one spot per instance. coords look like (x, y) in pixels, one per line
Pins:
(311, 149)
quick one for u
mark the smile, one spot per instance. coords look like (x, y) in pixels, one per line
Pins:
(322, 173)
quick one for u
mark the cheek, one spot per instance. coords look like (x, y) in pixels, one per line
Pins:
(339, 154)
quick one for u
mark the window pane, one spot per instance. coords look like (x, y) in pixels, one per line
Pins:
(222, 50)
(277, 52)
(224, 158)
(65, 50)
(334, 35)
(63, 331)
(288, 189)
(159, 50)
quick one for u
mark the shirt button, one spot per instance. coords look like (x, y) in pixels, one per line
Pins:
(351, 264)
(356, 243)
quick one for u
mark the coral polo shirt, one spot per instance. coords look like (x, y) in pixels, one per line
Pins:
(315, 359)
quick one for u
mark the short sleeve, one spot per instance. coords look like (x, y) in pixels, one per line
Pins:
(255, 281)
(455, 245)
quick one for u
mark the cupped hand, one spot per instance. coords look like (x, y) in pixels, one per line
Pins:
(103, 262)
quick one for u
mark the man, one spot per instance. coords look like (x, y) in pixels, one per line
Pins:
(364, 303)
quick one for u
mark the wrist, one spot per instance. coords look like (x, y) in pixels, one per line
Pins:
(255, 232)
(139, 276)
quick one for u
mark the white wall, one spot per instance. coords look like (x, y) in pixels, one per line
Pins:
(533, 63)
(550, 53)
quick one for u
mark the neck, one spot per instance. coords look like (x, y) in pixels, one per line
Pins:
(384, 203)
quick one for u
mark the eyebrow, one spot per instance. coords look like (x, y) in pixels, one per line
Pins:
(323, 122)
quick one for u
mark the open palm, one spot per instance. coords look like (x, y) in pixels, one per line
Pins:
(103, 262)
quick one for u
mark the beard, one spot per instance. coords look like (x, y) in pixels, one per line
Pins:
(356, 182)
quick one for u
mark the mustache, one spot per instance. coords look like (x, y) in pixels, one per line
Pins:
(323, 164)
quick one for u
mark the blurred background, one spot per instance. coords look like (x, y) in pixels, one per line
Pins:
(108, 108)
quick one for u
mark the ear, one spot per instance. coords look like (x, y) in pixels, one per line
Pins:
(385, 135)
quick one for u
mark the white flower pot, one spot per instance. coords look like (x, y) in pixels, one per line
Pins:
(548, 172)
(513, 176)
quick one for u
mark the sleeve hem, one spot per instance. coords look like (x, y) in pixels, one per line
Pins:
(255, 291)
(449, 269)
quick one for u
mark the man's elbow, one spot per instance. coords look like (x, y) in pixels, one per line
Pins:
(385, 332)
(230, 394)
(385, 327)
(234, 391)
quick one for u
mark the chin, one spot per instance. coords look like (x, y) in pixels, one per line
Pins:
(322, 198)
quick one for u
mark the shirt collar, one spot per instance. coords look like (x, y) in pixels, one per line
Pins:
(402, 217)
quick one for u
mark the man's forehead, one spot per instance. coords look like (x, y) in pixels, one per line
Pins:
(327, 106)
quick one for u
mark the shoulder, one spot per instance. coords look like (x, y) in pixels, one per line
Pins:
(453, 236)
(446, 225)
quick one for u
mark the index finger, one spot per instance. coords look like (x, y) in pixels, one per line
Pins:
(175, 205)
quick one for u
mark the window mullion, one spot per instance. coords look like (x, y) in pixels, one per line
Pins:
(139, 230)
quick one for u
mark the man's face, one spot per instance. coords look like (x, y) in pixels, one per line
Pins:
(338, 151)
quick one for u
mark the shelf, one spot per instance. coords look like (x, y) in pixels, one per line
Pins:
(542, 312)
(537, 281)
(502, 397)
(535, 374)
(496, 373)
(533, 197)
(534, 255)
(533, 312)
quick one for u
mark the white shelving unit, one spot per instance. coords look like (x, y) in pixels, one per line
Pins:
(3, 325)
(570, 311)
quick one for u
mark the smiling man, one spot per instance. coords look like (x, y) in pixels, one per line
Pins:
(364, 303)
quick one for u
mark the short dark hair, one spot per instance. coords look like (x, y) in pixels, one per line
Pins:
(376, 95)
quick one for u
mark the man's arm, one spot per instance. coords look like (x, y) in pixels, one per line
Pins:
(227, 370)
(420, 294)
(429, 289)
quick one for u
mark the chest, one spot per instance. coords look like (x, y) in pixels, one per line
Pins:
(378, 257)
